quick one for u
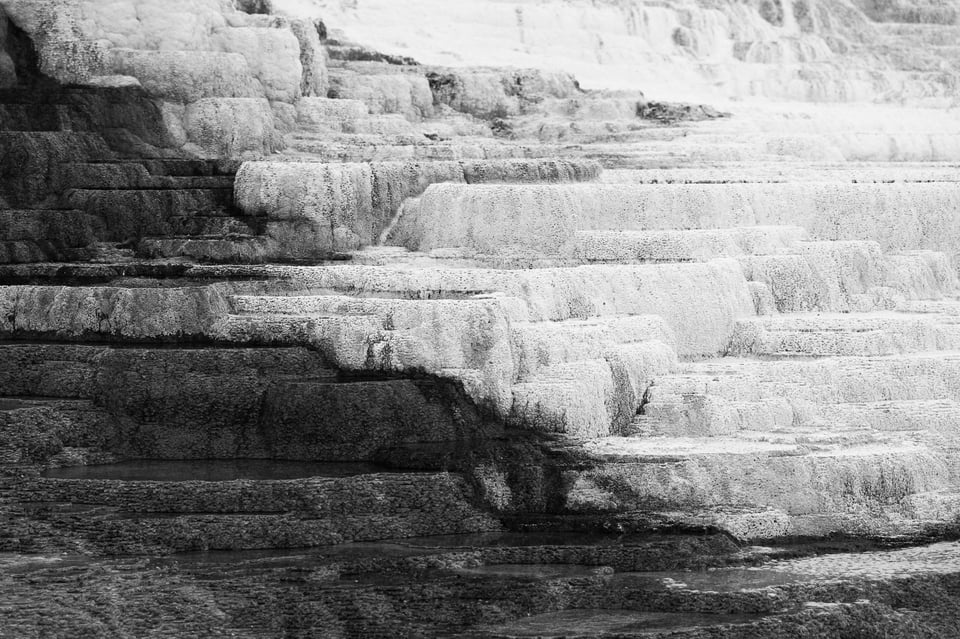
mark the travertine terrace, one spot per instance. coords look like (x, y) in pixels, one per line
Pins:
(481, 319)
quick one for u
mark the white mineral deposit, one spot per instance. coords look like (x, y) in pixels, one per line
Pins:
(480, 319)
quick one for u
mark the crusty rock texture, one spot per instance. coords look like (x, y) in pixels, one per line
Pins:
(184, 55)
(340, 319)
(315, 209)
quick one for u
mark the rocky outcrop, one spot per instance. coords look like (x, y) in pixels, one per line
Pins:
(543, 220)
(796, 49)
(195, 59)
(298, 334)
(316, 209)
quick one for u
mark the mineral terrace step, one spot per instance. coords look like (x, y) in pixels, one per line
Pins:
(591, 397)
(713, 414)
(33, 252)
(775, 599)
(314, 492)
(684, 245)
(754, 172)
(828, 211)
(179, 167)
(155, 382)
(216, 223)
(28, 157)
(844, 335)
(425, 596)
(156, 311)
(222, 403)
(580, 623)
(164, 517)
(378, 151)
(43, 430)
(64, 228)
(950, 306)
(379, 125)
(298, 200)
(133, 213)
(826, 488)
(848, 276)
(539, 345)
(553, 294)
(134, 175)
(915, 376)
(312, 110)
(236, 248)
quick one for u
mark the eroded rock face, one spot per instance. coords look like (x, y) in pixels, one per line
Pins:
(184, 56)
(795, 49)
(264, 288)
(315, 209)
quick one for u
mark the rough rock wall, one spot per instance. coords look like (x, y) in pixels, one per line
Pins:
(543, 219)
(679, 49)
(219, 74)
(314, 209)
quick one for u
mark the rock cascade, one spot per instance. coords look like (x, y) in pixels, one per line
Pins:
(299, 338)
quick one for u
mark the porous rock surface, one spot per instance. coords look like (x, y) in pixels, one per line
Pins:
(304, 335)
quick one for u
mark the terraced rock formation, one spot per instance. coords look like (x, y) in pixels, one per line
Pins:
(299, 337)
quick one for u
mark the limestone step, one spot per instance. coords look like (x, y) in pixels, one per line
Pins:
(378, 125)
(186, 76)
(949, 305)
(710, 415)
(163, 517)
(312, 110)
(232, 247)
(41, 235)
(213, 223)
(589, 398)
(151, 312)
(684, 245)
(547, 553)
(133, 213)
(33, 252)
(772, 599)
(74, 108)
(134, 175)
(828, 211)
(849, 276)
(809, 489)
(538, 345)
(116, 265)
(525, 597)
(220, 403)
(316, 208)
(50, 430)
(554, 294)
(155, 382)
(235, 486)
(303, 137)
(376, 150)
(914, 376)
(931, 34)
(397, 91)
(782, 173)
(29, 158)
(603, 363)
(586, 378)
(180, 167)
(626, 623)
(821, 335)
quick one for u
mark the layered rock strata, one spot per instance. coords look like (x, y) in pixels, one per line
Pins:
(300, 338)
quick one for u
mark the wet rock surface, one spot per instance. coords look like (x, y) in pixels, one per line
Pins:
(303, 338)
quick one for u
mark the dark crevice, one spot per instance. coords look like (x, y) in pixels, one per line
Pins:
(23, 53)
